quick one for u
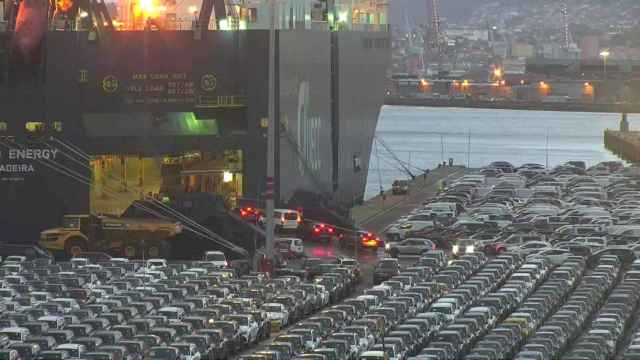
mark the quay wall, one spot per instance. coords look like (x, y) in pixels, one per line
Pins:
(625, 144)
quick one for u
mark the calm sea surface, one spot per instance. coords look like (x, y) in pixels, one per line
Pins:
(422, 137)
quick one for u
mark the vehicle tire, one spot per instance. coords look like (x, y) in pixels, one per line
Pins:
(74, 246)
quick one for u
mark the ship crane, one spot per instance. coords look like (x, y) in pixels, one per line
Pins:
(566, 35)
(436, 39)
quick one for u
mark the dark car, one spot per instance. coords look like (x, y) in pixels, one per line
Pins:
(400, 187)
(385, 269)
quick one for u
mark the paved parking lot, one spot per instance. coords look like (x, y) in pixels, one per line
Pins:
(533, 264)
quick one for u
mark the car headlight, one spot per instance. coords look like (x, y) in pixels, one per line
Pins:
(469, 249)
(455, 249)
(387, 246)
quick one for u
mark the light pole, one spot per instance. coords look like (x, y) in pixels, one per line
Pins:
(605, 54)
(271, 131)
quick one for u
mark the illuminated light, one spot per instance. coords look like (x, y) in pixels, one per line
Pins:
(343, 16)
(331, 18)
(227, 177)
(503, 82)
(193, 9)
(84, 14)
(64, 5)
(521, 82)
(387, 246)
(469, 249)
(224, 25)
(146, 9)
(455, 249)
(371, 243)
(34, 126)
(587, 84)
(307, 17)
(605, 53)
(465, 83)
(497, 73)
(242, 25)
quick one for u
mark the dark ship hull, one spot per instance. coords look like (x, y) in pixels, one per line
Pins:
(170, 94)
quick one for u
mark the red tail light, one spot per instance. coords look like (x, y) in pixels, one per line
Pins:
(330, 230)
(316, 230)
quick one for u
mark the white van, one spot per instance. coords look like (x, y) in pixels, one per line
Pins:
(287, 219)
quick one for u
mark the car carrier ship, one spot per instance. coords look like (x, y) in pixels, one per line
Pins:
(104, 105)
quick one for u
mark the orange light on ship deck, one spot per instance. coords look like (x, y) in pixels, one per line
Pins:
(64, 5)
(147, 9)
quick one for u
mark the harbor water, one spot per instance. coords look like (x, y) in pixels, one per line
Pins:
(420, 138)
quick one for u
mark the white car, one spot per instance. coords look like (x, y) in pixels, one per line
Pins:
(217, 258)
(188, 351)
(76, 351)
(296, 245)
(555, 256)
(157, 264)
(277, 313)
(248, 327)
(398, 232)
(15, 259)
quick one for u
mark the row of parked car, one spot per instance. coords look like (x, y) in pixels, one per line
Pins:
(384, 317)
(555, 213)
(567, 319)
(582, 223)
(119, 309)
(510, 280)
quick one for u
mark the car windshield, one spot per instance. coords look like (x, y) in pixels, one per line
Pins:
(388, 264)
(162, 354)
(241, 320)
(184, 348)
(272, 308)
(132, 347)
(199, 342)
(71, 223)
(291, 216)
(216, 257)
(98, 357)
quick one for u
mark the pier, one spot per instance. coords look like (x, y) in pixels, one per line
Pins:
(514, 105)
(380, 211)
(624, 143)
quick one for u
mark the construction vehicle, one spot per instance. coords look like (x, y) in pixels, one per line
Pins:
(208, 225)
(128, 237)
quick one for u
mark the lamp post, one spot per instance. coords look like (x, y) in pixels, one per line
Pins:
(605, 54)
(271, 141)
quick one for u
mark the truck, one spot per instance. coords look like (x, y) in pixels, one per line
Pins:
(128, 237)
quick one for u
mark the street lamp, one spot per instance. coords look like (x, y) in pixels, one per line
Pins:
(605, 54)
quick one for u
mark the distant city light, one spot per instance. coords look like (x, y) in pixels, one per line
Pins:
(84, 14)
(605, 53)
(193, 9)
